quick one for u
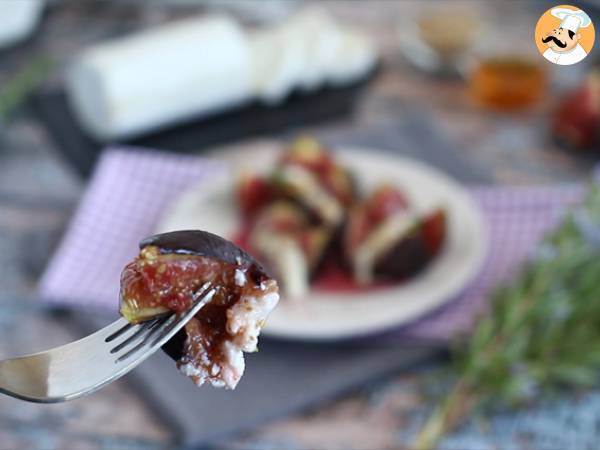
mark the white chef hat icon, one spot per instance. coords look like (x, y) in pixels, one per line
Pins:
(572, 19)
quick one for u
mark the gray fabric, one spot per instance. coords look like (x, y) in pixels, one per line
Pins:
(285, 377)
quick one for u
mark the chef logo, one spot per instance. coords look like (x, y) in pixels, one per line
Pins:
(564, 35)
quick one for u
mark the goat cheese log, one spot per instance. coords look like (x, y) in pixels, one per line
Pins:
(200, 66)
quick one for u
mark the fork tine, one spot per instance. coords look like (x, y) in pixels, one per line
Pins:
(167, 327)
(119, 332)
(165, 330)
(147, 328)
(200, 292)
(130, 352)
(81, 367)
(158, 325)
(152, 331)
(141, 330)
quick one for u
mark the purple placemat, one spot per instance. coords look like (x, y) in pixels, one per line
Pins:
(517, 218)
(125, 197)
(131, 188)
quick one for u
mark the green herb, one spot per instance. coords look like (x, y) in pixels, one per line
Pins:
(16, 90)
(542, 331)
(277, 177)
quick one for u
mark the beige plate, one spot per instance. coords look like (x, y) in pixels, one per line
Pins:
(325, 316)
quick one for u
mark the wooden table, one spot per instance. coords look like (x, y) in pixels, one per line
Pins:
(38, 192)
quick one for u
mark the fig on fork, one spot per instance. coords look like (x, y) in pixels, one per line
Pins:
(170, 268)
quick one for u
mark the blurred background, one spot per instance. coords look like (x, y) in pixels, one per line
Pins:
(458, 85)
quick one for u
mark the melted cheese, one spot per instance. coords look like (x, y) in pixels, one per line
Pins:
(313, 195)
(380, 240)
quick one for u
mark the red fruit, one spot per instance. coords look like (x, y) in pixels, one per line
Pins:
(577, 119)
(357, 229)
(433, 230)
(254, 193)
(385, 202)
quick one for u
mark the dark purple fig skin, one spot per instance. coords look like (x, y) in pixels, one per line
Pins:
(326, 254)
(405, 259)
(199, 243)
(175, 347)
(410, 255)
(209, 245)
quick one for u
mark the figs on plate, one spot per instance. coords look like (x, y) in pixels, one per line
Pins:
(286, 241)
(309, 175)
(385, 238)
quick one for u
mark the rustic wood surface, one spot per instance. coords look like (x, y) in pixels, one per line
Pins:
(38, 192)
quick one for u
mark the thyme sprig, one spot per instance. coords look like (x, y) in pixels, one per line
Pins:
(541, 332)
(15, 91)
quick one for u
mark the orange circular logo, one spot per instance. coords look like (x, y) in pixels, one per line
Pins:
(565, 35)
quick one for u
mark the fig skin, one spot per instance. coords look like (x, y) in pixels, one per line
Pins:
(406, 258)
(198, 243)
(329, 251)
(413, 253)
(175, 347)
(203, 243)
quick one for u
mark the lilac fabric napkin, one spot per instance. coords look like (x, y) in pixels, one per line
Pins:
(131, 188)
(517, 218)
(125, 197)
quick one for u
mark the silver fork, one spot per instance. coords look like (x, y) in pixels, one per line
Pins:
(81, 367)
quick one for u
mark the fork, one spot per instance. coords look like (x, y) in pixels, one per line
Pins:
(81, 367)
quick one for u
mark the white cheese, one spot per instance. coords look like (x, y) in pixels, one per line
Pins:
(198, 66)
(313, 194)
(378, 241)
(124, 87)
(245, 319)
(286, 258)
(240, 278)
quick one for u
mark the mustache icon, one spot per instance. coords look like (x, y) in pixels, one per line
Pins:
(555, 40)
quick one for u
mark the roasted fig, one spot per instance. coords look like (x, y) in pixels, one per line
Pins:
(309, 175)
(415, 250)
(576, 121)
(283, 237)
(170, 268)
(253, 193)
(384, 238)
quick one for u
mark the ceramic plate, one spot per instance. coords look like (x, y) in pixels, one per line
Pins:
(324, 315)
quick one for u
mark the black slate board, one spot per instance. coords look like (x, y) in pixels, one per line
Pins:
(254, 119)
(282, 378)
